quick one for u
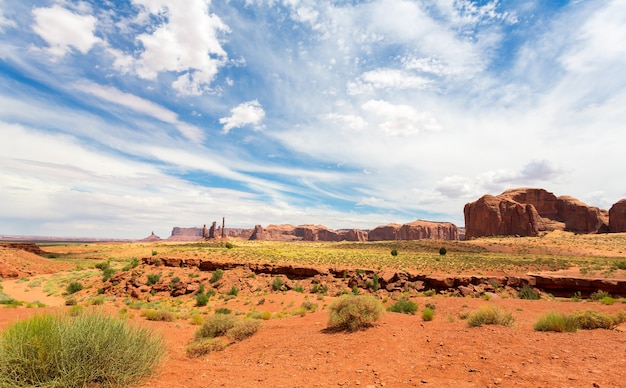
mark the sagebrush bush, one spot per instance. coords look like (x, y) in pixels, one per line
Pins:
(216, 276)
(527, 293)
(428, 314)
(158, 315)
(243, 329)
(553, 321)
(153, 279)
(205, 346)
(354, 312)
(403, 306)
(82, 351)
(490, 315)
(589, 320)
(216, 326)
(74, 287)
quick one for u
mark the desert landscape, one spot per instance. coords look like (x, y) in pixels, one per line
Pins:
(289, 288)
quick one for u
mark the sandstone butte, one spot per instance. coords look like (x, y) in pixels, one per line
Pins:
(528, 212)
(617, 217)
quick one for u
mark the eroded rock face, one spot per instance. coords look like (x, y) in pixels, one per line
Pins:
(498, 216)
(416, 230)
(306, 233)
(527, 212)
(617, 217)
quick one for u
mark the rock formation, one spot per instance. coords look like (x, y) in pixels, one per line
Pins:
(527, 212)
(416, 230)
(617, 217)
(152, 238)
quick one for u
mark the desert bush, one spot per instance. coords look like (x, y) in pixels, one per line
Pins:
(428, 314)
(620, 264)
(354, 312)
(589, 320)
(202, 299)
(527, 292)
(74, 287)
(553, 321)
(443, 251)
(158, 315)
(103, 265)
(216, 326)
(205, 346)
(233, 291)
(216, 276)
(489, 315)
(277, 284)
(598, 295)
(153, 279)
(403, 306)
(608, 300)
(90, 349)
(229, 245)
(243, 329)
(394, 252)
(222, 310)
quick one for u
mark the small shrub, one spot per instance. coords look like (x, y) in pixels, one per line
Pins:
(89, 349)
(107, 274)
(598, 295)
(490, 315)
(196, 319)
(74, 287)
(154, 252)
(70, 302)
(243, 329)
(277, 284)
(216, 326)
(216, 276)
(175, 280)
(97, 301)
(319, 289)
(589, 320)
(443, 251)
(607, 300)
(354, 312)
(229, 245)
(403, 306)
(222, 310)
(428, 314)
(394, 252)
(103, 265)
(620, 264)
(527, 293)
(233, 291)
(298, 288)
(554, 321)
(158, 315)
(153, 279)
(75, 310)
(202, 299)
(205, 346)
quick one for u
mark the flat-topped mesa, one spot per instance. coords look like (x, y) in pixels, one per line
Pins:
(416, 230)
(617, 217)
(286, 232)
(528, 212)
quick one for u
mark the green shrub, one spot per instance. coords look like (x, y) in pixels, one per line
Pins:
(107, 274)
(490, 315)
(74, 287)
(97, 300)
(608, 300)
(222, 310)
(216, 276)
(319, 289)
(403, 306)
(620, 264)
(216, 326)
(598, 295)
(153, 279)
(428, 314)
(527, 293)
(354, 312)
(243, 329)
(229, 245)
(90, 349)
(158, 315)
(204, 346)
(443, 251)
(175, 280)
(75, 310)
(233, 291)
(202, 299)
(589, 320)
(277, 284)
(394, 252)
(554, 321)
(103, 265)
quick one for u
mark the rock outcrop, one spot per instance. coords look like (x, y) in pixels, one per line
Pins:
(152, 238)
(416, 230)
(287, 232)
(528, 212)
(617, 217)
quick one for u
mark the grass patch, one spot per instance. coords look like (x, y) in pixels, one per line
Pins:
(216, 276)
(553, 321)
(88, 349)
(243, 329)
(583, 320)
(216, 326)
(204, 346)
(74, 287)
(158, 315)
(354, 312)
(489, 315)
(428, 314)
(528, 293)
(403, 306)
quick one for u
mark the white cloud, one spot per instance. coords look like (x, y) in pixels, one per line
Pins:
(386, 79)
(400, 120)
(63, 30)
(185, 42)
(350, 122)
(246, 113)
(4, 22)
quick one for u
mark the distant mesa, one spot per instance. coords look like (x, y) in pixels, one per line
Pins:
(529, 212)
(152, 238)
(416, 230)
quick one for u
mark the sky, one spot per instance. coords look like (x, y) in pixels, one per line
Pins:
(119, 118)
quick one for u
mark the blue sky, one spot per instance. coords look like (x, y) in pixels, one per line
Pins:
(118, 118)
